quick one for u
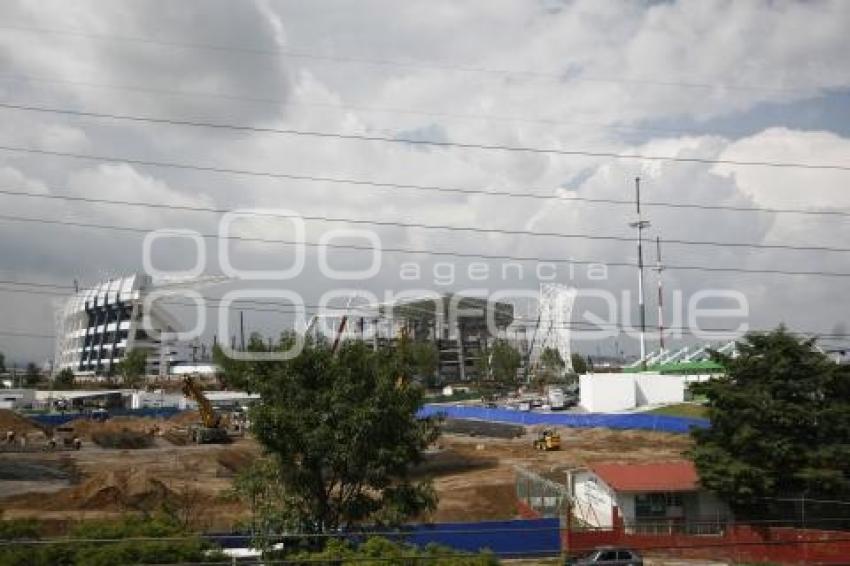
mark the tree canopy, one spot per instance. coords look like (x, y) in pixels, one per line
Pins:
(578, 362)
(551, 358)
(499, 363)
(132, 367)
(343, 433)
(780, 422)
(133, 540)
(32, 374)
(64, 379)
(378, 551)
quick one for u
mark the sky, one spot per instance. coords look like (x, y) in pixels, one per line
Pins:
(716, 85)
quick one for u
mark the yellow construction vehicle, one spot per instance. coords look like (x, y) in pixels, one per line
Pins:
(548, 440)
(210, 429)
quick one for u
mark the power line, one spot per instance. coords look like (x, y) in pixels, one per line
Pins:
(501, 231)
(679, 267)
(405, 186)
(430, 143)
(26, 334)
(281, 102)
(579, 325)
(416, 65)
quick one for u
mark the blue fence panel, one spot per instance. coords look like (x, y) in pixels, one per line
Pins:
(57, 419)
(525, 537)
(512, 538)
(639, 421)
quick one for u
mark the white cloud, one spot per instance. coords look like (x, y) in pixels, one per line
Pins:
(625, 65)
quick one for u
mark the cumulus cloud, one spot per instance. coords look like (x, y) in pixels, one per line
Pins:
(586, 75)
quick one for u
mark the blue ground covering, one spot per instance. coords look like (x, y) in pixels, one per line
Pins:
(56, 419)
(638, 421)
(514, 538)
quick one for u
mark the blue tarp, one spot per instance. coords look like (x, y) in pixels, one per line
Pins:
(57, 419)
(639, 421)
(521, 537)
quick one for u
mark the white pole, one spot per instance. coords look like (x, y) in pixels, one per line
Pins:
(640, 224)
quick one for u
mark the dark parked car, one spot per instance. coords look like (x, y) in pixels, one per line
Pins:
(609, 556)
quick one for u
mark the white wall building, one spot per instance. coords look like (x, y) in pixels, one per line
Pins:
(613, 392)
(17, 398)
(657, 493)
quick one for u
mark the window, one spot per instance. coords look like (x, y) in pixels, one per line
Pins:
(624, 555)
(608, 555)
(656, 505)
(674, 499)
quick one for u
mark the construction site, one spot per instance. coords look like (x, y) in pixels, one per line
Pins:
(473, 468)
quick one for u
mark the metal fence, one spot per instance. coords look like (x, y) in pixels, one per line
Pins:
(635, 421)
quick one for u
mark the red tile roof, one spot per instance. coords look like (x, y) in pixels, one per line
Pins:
(657, 476)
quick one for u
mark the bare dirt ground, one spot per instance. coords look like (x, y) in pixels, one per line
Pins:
(488, 493)
(473, 476)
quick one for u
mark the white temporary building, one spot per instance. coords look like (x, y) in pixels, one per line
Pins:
(613, 392)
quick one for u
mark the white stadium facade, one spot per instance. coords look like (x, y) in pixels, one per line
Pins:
(97, 327)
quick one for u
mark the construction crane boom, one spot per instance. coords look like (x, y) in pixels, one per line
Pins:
(209, 417)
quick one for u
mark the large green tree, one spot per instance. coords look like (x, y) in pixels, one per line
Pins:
(32, 375)
(579, 363)
(64, 379)
(780, 423)
(343, 432)
(498, 364)
(132, 367)
(128, 540)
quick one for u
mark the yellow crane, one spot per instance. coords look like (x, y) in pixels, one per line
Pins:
(210, 429)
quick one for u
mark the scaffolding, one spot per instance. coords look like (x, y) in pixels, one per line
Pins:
(553, 326)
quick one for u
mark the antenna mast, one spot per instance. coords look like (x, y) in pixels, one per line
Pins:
(640, 224)
(659, 268)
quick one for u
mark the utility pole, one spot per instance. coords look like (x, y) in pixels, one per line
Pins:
(640, 224)
(659, 268)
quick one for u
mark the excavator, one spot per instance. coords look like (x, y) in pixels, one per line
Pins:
(211, 429)
(547, 440)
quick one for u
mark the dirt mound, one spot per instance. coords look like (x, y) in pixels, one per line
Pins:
(185, 418)
(482, 428)
(110, 490)
(450, 461)
(123, 439)
(10, 420)
(87, 428)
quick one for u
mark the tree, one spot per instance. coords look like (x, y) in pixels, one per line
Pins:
(780, 423)
(32, 375)
(379, 551)
(132, 367)
(551, 358)
(260, 487)
(499, 363)
(424, 359)
(550, 369)
(133, 540)
(578, 362)
(64, 379)
(343, 433)
(2, 363)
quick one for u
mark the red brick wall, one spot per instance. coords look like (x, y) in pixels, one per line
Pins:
(747, 543)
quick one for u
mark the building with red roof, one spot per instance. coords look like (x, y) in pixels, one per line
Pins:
(639, 493)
